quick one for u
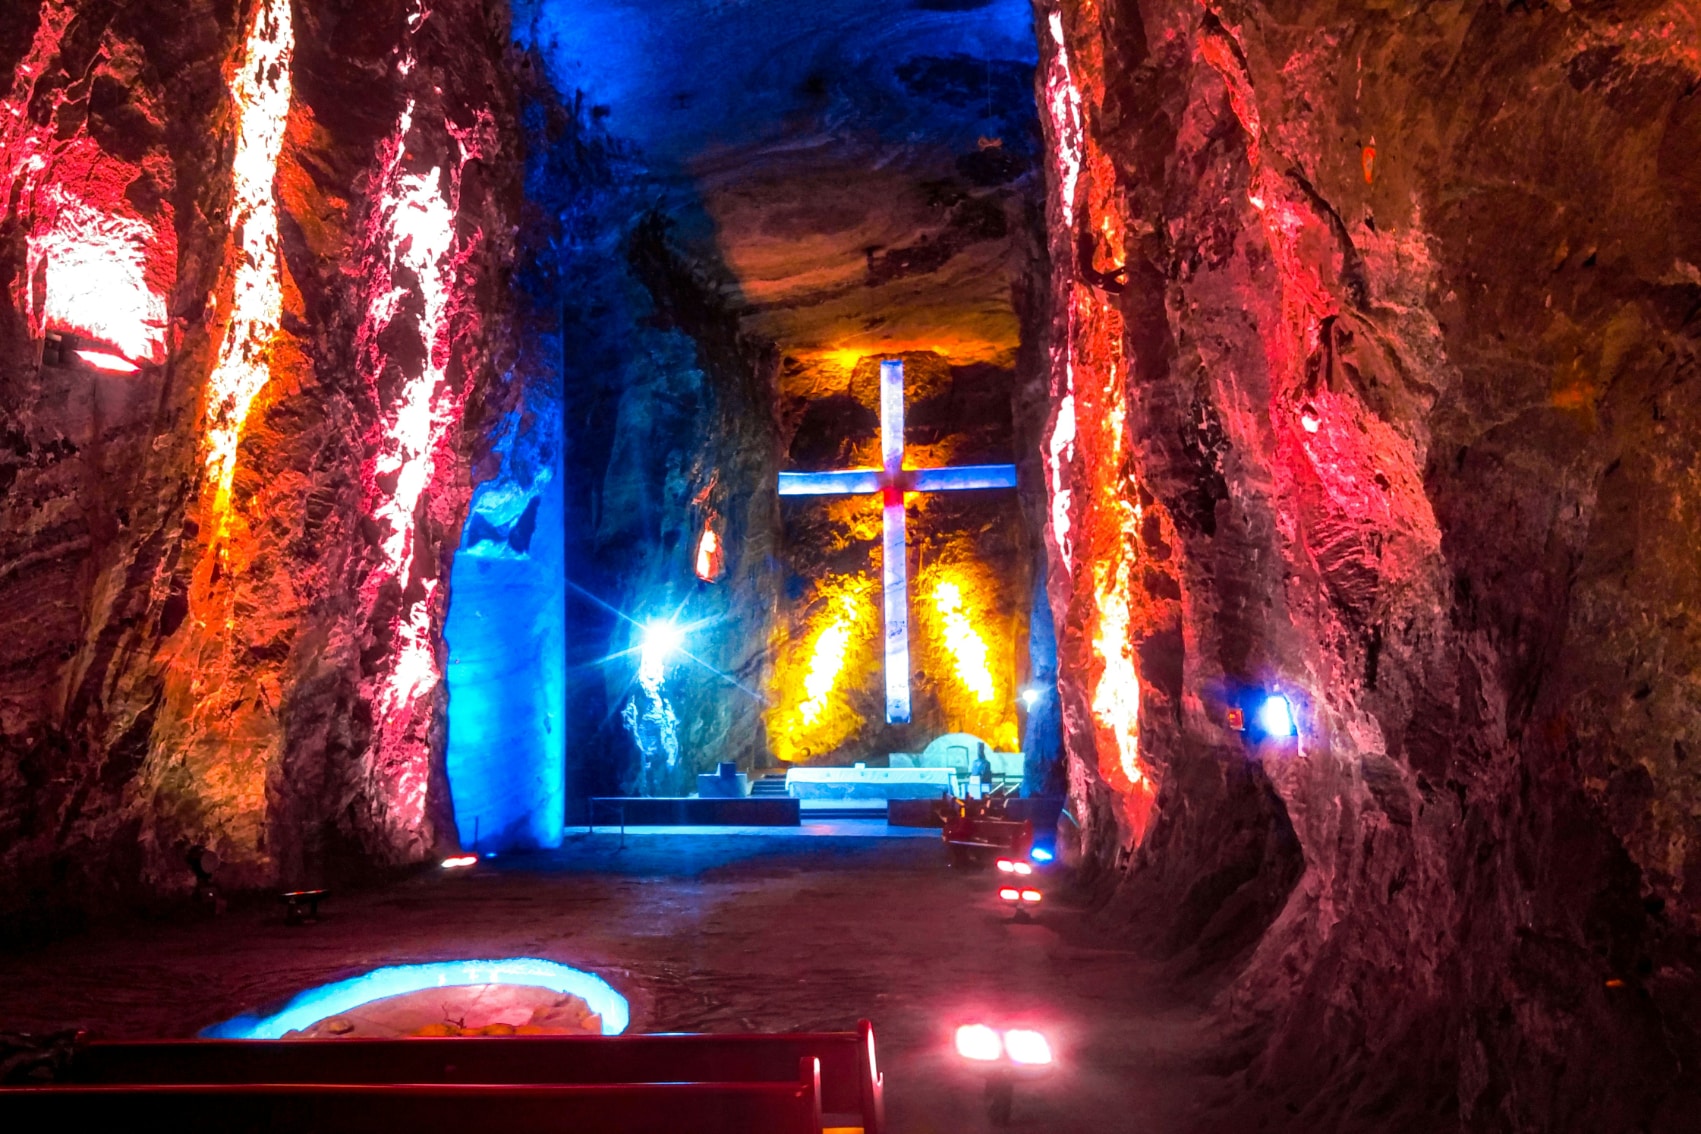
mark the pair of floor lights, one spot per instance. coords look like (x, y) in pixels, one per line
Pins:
(1007, 1055)
(1016, 889)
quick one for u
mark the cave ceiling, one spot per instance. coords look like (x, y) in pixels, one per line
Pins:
(854, 176)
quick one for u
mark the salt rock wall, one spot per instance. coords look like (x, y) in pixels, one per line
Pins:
(1374, 347)
(222, 571)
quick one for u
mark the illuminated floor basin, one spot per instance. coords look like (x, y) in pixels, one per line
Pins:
(315, 1004)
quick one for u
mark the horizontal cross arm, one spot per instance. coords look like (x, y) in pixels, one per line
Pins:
(964, 476)
(842, 482)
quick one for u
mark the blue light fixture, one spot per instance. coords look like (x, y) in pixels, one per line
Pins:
(1275, 717)
(1040, 854)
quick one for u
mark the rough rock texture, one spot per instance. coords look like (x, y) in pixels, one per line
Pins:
(844, 173)
(352, 263)
(1378, 323)
(258, 669)
(91, 506)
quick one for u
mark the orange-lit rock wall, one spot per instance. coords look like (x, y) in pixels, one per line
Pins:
(1098, 576)
(260, 668)
(1374, 358)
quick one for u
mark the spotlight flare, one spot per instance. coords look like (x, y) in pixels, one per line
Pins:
(979, 1042)
(1027, 1047)
(659, 642)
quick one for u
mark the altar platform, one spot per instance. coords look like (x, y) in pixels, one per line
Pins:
(810, 828)
(693, 811)
(872, 786)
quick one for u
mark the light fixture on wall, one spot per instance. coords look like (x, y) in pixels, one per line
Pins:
(1274, 718)
(711, 554)
(1262, 714)
(107, 363)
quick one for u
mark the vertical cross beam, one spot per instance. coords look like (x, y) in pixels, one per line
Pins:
(894, 557)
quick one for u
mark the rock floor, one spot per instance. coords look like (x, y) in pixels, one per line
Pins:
(701, 933)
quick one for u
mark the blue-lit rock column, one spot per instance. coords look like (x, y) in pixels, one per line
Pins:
(1042, 732)
(506, 636)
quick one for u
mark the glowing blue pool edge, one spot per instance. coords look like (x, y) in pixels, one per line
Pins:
(315, 1004)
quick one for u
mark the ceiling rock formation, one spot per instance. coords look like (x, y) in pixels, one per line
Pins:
(852, 173)
(1373, 358)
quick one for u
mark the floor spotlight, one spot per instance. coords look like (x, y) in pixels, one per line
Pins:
(1026, 896)
(1027, 1047)
(979, 1043)
(1015, 1053)
(1021, 898)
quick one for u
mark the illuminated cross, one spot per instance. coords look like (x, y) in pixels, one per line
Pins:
(892, 482)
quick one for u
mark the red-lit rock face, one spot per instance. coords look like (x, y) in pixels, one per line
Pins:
(100, 186)
(1399, 304)
(86, 160)
(223, 581)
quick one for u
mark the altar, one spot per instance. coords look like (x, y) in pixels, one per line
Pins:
(873, 784)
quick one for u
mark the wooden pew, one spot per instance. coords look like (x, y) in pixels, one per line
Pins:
(851, 1086)
(345, 1108)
